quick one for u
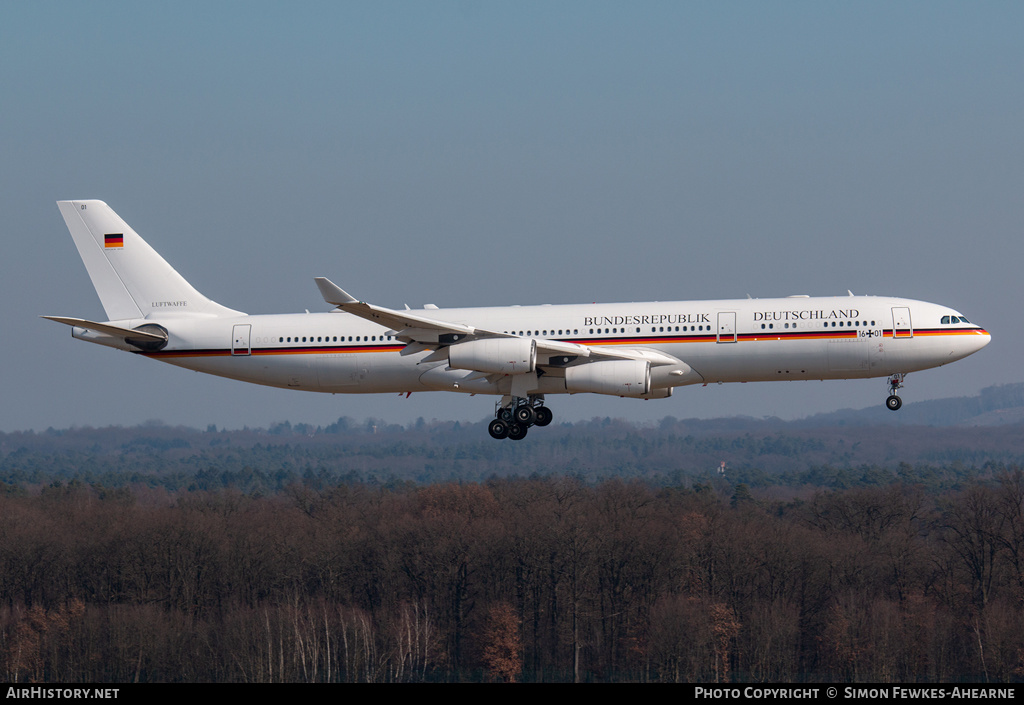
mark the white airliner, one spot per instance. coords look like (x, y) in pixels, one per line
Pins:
(520, 353)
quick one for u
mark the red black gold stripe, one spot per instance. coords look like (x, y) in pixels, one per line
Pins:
(312, 350)
(596, 342)
(116, 240)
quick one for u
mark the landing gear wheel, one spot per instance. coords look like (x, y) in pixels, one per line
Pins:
(525, 415)
(517, 432)
(514, 415)
(498, 429)
(893, 402)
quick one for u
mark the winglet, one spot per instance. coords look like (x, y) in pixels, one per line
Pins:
(332, 293)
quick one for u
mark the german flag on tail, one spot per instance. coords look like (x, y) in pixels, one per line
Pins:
(113, 240)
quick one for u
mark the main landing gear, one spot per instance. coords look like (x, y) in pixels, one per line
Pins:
(893, 403)
(514, 415)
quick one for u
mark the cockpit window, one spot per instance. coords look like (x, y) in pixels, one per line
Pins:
(945, 320)
(963, 320)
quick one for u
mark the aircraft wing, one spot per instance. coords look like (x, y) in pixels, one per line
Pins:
(423, 333)
(404, 323)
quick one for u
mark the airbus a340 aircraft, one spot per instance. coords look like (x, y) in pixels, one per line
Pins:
(519, 353)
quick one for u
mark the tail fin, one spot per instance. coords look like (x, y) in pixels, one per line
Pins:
(132, 280)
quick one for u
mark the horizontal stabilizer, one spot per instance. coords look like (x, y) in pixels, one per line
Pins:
(116, 331)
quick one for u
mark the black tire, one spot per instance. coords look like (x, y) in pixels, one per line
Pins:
(517, 432)
(893, 402)
(524, 415)
(543, 416)
(498, 429)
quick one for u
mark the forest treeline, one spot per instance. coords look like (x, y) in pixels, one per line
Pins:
(529, 579)
(671, 453)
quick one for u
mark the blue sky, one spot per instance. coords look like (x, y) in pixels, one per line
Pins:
(506, 153)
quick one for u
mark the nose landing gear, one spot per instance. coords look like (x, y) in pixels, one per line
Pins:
(514, 415)
(893, 402)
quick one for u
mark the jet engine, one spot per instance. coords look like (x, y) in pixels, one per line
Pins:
(508, 356)
(621, 378)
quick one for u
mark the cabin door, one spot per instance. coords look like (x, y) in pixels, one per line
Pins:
(240, 339)
(901, 325)
(726, 326)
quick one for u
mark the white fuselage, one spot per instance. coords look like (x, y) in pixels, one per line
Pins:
(742, 340)
(522, 353)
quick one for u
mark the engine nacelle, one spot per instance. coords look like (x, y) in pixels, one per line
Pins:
(621, 378)
(509, 356)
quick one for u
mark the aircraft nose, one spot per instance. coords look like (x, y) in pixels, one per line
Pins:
(968, 342)
(976, 342)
